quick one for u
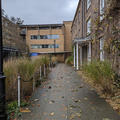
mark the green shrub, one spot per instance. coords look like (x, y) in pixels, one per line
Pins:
(13, 110)
(69, 60)
(101, 73)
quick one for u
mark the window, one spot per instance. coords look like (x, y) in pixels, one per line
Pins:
(88, 26)
(51, 46)
(101, 49)
(88, 4)
(34, 46)
(44, 37)
(102, 5)
(34, 37)
(55, 36)
(56, 46)
(44, 46)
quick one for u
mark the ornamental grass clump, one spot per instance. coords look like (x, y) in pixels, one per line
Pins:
(69, 60)
(102, 74)
(11, 72)
(27, 69)
(45, 61)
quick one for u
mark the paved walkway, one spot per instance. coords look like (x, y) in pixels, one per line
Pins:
(66, 97)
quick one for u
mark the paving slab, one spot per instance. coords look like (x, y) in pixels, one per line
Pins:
(65, 96)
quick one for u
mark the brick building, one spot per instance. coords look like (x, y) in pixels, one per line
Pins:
(52, 39)
(13, 42)
(95, 32)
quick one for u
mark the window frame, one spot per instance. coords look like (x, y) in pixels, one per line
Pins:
(44, 46)
(88, 27)
(47, 37)
(88, 4)
(102, 49)
(102, 7)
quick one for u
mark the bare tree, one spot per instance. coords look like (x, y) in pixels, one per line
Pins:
(3, 12)
(13, 19)
(19, 21)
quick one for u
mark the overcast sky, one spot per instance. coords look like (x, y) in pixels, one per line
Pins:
(41, 11)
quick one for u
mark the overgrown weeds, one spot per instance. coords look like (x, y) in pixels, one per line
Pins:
(69, 60)
(27, 69)
(102, 74)
(13, 110)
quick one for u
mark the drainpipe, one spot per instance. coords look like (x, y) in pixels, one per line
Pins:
(54, 46)
(82, 18)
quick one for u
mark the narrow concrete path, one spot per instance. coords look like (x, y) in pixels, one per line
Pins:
(66, 97)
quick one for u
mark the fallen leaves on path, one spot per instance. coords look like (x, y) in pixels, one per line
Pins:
(49, 87)
(76, 101)
(38, 105)
(51, 102)
(85, 98)
(81, 86)
(26, 110)
(105, 119)
(35, 100)
(52, 114)
(74, 115)
(74, 90)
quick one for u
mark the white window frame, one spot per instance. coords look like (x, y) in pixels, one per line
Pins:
(102, 6)
(101, 49)
(88, 26)
(88, 4)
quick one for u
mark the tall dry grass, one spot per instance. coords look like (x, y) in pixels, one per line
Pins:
(69, 60)
(27, 69)
(101, 73)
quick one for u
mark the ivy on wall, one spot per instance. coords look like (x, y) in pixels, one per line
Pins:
(108, 26)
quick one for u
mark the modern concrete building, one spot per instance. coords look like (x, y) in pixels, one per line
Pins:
(52, 39)
(93, 26)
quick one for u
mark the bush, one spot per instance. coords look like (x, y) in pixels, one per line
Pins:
(13, 110)
(69, 60)
(101, 73)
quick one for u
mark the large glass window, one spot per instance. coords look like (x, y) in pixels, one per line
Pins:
(88, 3)
(55, 36)
(101, 49)
(88, 26)
(102, 5)
(44, 37)
(44, 46)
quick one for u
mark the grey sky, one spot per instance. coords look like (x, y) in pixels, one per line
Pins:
(41, 11)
